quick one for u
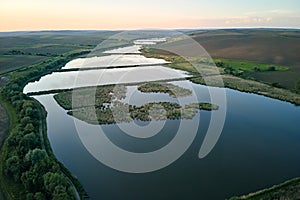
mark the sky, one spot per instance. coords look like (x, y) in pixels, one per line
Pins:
(17, 15)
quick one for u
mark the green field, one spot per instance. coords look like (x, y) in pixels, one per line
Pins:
(33, 47)
(273, 47)
(247, 66)
(279, 47)
(12, 62)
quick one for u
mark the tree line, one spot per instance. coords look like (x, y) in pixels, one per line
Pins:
(24, 161)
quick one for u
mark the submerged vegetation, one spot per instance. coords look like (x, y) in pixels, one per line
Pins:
(103, 105)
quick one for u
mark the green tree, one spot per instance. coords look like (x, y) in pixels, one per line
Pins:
(28, 142)
(28, 179)
(14, 139)
(29, 128)
(60, 193)
(13, 167)
(271, 68)
(33, 178)
(39, 196)
(29, 196)
(297, 86)
(27, 104)
(29, 111)
(36, 155)
(18, 104)
(25, 120)
(57, 185)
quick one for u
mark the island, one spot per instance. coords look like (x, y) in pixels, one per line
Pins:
(104, 105)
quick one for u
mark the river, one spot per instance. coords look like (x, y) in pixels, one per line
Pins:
(259, 145)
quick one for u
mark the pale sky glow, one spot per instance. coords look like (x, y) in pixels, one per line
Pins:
(141, 14)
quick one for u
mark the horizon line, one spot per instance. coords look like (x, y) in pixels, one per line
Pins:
(150, 29)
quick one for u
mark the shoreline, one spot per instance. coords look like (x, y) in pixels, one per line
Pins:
(230, 81)
(285, 189)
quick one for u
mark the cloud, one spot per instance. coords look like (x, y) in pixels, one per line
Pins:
(265, 18)
(269, 12)
(247, 20)
(280, 12)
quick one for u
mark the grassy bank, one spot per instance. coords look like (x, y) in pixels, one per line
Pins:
(287, 190)
(252, 86)
(235, 78)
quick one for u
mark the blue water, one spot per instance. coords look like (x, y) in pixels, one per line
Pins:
(259, 147)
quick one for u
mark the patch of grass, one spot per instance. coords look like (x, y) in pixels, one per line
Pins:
(246, 66)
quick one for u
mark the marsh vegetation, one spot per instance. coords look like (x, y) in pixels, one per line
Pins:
(161, 87)
(103, 104)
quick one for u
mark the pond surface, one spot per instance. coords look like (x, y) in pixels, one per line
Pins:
(111, 61)
(75, 79)
(259, 145)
